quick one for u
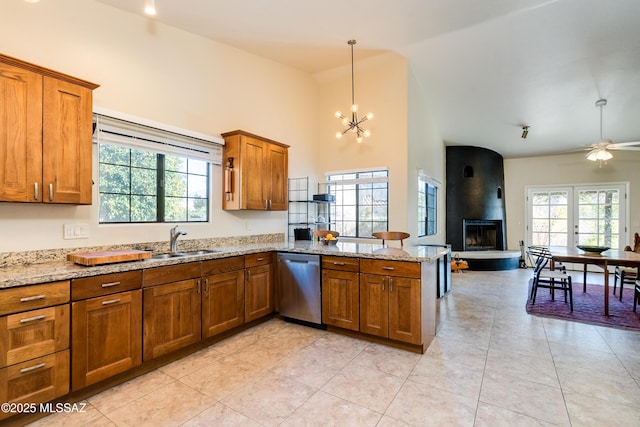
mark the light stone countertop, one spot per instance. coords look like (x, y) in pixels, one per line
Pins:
(35, 273)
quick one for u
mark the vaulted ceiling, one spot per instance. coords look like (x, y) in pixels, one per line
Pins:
(489, 67)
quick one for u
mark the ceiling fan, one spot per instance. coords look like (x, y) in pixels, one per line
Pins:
(600, 150)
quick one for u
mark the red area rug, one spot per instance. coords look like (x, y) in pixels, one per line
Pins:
(588, 307)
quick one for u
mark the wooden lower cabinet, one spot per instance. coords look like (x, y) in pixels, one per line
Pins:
(35, 333)
(390, 307)
(222, 302)
(106, 337)
(171, 317)
(35, 381)
(340, 299)
(259, 286)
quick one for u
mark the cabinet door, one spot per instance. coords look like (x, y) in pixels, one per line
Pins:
(35, 381)
(171, 317)
(259, 292)
(20, 135)
(222, 303)
(341, 299)
(404, 310)
(277, 181)
(374, 305)
(254, 174)
(32, 334)
(67, 128)
(106, 337)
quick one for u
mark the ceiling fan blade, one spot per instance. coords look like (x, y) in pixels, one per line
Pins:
(626, 148)
(617, 145)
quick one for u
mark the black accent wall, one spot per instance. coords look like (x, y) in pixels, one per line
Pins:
(474, 191)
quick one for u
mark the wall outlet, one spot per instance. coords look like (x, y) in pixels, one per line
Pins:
(75, 231)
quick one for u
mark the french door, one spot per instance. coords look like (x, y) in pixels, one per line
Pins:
(592, 214)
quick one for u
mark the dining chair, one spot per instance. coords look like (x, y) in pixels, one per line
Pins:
(627, 275)
(547, 279)
(391, 235)
(636, 295)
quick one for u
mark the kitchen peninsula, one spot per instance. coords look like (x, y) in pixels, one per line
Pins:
(382, 294)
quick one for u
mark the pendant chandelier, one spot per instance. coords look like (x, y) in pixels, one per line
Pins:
(353, 124)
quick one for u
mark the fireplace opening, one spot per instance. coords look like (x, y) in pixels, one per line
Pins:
(482, 235)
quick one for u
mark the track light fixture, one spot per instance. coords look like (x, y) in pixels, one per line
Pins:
(525, 132)
(354, 123)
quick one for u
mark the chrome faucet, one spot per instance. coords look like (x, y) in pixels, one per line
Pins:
(173, 242)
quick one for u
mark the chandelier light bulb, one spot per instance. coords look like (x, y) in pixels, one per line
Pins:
(369, 116)
(367, 133)
(354, 108)
(338, 135)
(345, 122)
(359, 139)
(338, 114)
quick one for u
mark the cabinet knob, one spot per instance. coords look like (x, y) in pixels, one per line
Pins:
(50, 192)
(111, 301)
(35, 191)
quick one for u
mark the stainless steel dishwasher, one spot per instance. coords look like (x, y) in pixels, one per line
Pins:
(299, 287)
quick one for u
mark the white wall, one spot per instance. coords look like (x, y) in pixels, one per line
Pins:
(427, 156)
(166, 75)
(381, 88)
(566, 169)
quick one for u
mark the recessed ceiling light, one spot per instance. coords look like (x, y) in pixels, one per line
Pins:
(150, 7)
(32, 1)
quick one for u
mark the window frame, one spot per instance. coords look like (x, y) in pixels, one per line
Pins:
(181, 156)
(355, 178)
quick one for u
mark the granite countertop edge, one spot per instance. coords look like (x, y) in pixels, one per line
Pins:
(37, 273)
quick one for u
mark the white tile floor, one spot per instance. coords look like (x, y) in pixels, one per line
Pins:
(491, 364)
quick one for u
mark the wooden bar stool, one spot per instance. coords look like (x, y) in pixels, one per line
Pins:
(391, 235)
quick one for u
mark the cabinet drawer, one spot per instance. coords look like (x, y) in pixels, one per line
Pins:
(36, 381)
(106, 284)
(32, 334)
(170, 273)
(224, 265)
(390, 268)
(15, 300)
(254, 260)
(340, 263)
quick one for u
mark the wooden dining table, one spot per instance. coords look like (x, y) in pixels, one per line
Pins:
(611, 257)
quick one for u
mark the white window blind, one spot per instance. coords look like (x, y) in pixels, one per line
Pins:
(131, 134)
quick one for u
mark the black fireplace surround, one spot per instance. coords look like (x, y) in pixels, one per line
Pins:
(476, 219)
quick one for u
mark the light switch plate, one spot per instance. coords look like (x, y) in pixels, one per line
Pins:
(75, 231)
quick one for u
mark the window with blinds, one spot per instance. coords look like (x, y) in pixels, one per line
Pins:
(148, 174)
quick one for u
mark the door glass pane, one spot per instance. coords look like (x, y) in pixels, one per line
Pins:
(550, 218)
(599, 217)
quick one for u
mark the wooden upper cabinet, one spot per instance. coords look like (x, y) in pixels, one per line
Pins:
(66, 144)
(20, 135)
(45, 142)
(259, 179)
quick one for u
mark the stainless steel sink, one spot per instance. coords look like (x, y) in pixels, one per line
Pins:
(184, 254)
(167, 256)
(201, 252)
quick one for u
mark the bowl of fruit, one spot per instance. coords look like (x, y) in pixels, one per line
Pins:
(329, 240)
